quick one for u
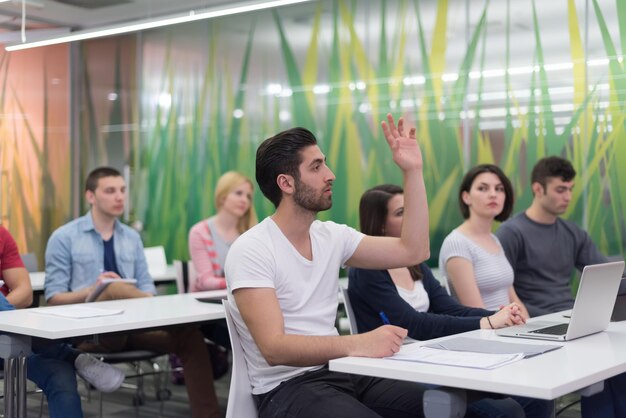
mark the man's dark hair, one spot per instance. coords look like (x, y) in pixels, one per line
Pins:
(92, 179)
(280, 154)
(468, 180)
(552, 167)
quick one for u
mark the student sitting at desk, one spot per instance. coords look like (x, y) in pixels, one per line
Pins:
(282, 284)
(413, 299)
(471, 256)
(544, 250)
(52, 366)
(98, 246)
(210, 239)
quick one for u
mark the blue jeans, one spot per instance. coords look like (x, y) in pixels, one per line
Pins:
(610, 403)
(508, 407)
(51, 367)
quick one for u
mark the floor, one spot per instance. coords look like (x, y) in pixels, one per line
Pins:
(120, 403)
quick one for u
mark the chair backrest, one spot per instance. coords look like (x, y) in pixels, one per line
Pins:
(349, 311)
(240, 401)
(191, 276)
(180, 267)
(30, 262)
(185, 275)
(156, 260)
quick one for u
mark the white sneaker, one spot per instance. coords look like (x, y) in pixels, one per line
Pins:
(104, 377)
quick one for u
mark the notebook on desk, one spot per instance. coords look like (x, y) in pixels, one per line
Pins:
(592, 308)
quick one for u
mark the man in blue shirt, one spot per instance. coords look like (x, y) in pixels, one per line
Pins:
(98, 246)
(52, 366)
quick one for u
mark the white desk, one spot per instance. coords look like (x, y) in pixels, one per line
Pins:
(579, 364)
(159, 311)
(38, 278)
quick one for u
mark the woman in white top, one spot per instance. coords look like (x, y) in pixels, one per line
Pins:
(471, 257)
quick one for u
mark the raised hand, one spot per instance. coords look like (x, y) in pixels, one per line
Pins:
(404, 147)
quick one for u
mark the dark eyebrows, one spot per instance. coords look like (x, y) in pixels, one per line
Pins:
(317, 161)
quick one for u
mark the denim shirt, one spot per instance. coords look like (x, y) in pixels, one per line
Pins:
(75, 257)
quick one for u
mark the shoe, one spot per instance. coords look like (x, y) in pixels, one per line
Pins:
(219, 359)
(177, 376)
(104, 377)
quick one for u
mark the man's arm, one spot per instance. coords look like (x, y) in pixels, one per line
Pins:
(17, 279)
(261, 312)
(14, 274)
(413, 246)
(142, 275)
(59, 273)
(511, 242)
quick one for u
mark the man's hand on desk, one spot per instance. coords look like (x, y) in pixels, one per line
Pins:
(507, 315)
(384, 341)
(107, 275)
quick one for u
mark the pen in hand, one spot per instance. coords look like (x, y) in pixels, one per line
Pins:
(384, 318)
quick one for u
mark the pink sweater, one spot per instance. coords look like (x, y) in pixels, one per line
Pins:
(204, 259)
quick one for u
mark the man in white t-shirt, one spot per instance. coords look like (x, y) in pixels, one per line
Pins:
(282, 280)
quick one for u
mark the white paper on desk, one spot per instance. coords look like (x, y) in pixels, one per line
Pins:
(421, 354)
(76, 311)
(478, 345)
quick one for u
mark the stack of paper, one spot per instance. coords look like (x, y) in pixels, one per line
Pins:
(423, 354)
(77, 311)
(471, 352)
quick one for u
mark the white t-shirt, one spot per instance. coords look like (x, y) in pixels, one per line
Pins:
(417, 298)
(306, 290)
(493, 272)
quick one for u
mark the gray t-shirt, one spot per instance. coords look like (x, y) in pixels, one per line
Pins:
(543, 257)
(492, 271)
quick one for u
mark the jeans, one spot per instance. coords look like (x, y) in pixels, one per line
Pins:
(322, 393)
(610, 403)
(51, 367)
(510, 407)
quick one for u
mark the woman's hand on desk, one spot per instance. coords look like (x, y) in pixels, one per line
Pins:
(507, 315)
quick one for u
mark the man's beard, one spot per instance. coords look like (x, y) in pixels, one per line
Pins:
(306, 199)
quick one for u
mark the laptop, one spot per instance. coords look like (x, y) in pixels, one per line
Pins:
(592, 308)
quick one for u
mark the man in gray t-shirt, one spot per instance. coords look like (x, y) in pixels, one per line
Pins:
(544, 250)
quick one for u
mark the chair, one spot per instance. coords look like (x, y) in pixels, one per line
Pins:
(30, 262)
(185, 275)
(182, 283)
(240, 401)
(156, 260)
(349, 311)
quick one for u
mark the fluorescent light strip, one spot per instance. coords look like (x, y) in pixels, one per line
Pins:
(155, 23)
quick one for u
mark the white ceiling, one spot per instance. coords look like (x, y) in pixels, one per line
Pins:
(74, 15)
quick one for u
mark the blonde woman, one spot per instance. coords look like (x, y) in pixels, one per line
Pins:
(210, 239)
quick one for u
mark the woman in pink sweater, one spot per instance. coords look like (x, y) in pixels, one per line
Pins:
(210, 239)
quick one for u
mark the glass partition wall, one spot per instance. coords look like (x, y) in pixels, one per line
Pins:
(505, 82)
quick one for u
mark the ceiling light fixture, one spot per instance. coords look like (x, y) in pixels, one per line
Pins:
(155, 23)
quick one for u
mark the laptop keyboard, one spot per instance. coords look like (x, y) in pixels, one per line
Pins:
(560, 329)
